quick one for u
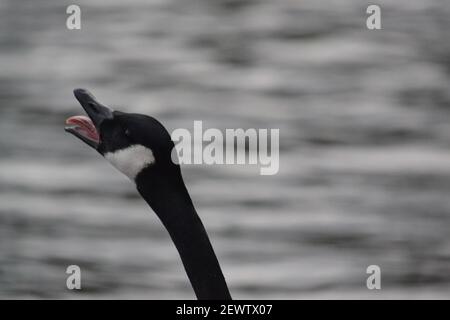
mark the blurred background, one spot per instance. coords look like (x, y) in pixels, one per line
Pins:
(364, 135)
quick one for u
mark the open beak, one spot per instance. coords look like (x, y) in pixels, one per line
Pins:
(87, 128)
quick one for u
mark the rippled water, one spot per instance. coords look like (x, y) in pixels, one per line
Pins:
(364, 127)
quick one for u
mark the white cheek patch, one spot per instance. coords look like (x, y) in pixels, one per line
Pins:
(131, 160)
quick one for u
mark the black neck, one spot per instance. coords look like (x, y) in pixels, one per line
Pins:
(170, 200)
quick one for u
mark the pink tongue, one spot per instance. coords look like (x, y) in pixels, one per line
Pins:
(85, 125)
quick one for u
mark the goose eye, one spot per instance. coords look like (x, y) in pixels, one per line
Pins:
(127, 132)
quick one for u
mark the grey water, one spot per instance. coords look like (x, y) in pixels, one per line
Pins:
(364, 125)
